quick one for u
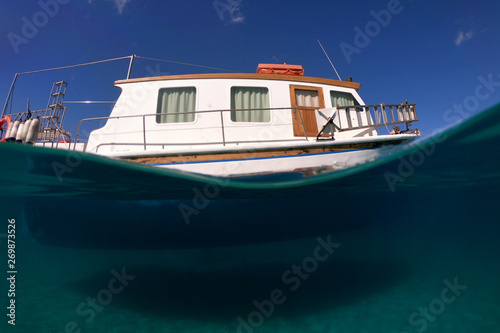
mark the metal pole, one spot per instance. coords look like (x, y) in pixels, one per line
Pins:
(144, 129)
(222, 126)
(77, 134)
(132, 57)
(331, 63)
(10, 93)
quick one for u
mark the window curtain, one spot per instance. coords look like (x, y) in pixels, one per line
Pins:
(175, 101)
(342, 99)
(307, 98)
(247, 98)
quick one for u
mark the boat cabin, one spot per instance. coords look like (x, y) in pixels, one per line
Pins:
(277, 106)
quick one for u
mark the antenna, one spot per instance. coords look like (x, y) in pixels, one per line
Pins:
(329, 60)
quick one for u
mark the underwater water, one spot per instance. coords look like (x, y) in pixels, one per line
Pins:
(406, 243)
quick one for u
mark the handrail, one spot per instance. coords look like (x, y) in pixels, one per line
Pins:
(143, 116)
(189, 144)
(404, 113)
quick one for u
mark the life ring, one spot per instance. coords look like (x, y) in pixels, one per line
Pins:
(5, 120)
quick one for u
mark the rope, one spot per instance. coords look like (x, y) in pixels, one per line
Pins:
(187, 64)
(11, 92)
(73, 66)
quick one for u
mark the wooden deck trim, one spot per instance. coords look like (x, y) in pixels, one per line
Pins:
(256, 154)
(247, 76)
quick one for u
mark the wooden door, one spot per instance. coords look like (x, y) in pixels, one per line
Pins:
(305, 101)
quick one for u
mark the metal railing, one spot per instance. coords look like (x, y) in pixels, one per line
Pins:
(50, 132)
(371, 116)
(51, 119)
(224, 141)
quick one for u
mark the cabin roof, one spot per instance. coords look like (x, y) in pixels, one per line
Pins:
(246, 76)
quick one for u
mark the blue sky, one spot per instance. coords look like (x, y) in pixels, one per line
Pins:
(442, 55)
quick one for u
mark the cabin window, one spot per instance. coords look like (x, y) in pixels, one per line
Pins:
(342, 99)
(307, 98)
(250, 104)
(174, 105)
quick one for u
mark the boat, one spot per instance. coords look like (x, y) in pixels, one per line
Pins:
(226, 124)
(206, 160)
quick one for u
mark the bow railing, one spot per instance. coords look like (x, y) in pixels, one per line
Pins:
(353, 117)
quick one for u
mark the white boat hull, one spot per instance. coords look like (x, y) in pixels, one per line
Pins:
(237, 167)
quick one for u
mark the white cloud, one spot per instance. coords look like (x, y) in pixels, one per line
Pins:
(236, 14)
(463, 36)
(238, 19)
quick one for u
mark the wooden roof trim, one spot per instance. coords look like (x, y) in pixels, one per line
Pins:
(247, 76)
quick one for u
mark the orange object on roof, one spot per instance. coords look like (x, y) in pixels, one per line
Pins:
(281, 69)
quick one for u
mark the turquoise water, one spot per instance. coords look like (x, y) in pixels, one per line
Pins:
(407, 243)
